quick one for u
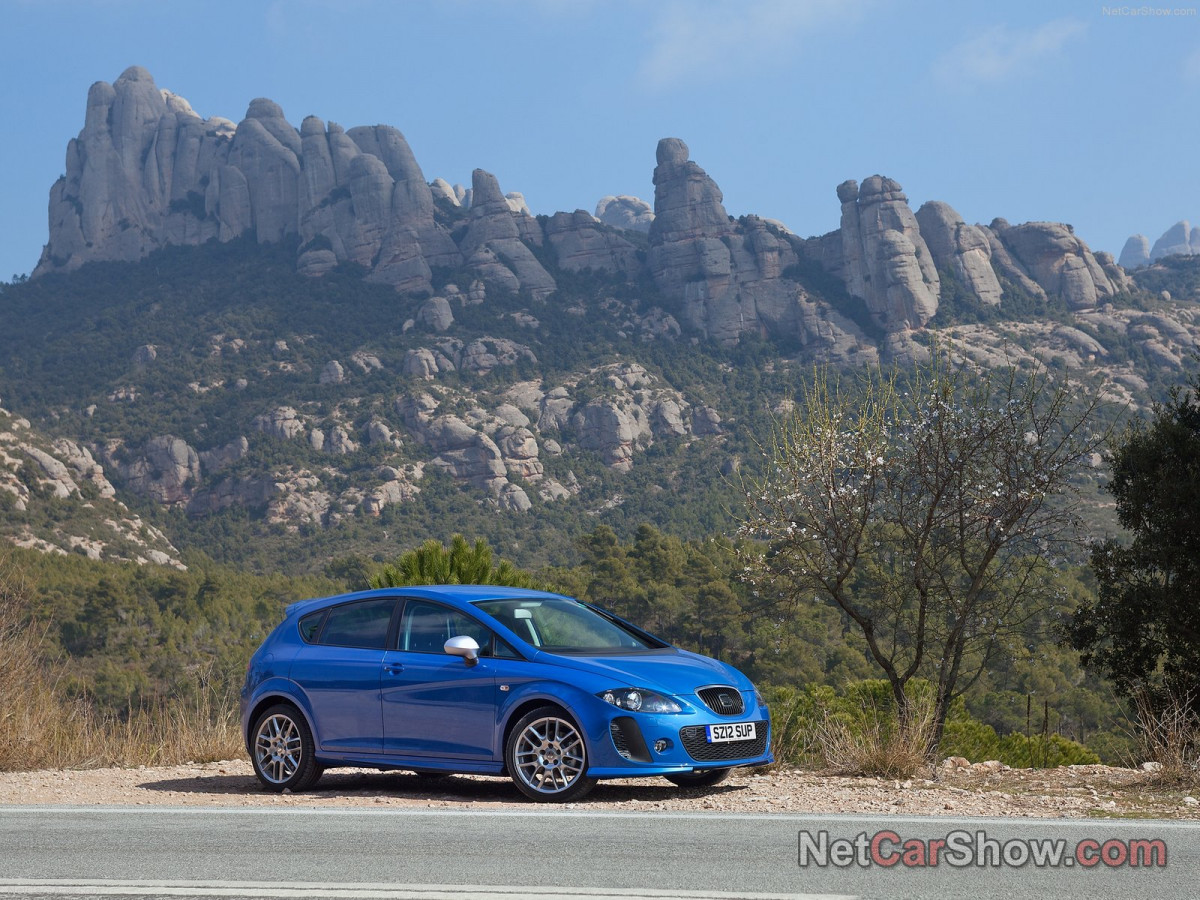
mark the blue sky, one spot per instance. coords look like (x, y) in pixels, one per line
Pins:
(1072, 112)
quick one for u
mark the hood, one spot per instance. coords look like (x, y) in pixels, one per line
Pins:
(670, 671)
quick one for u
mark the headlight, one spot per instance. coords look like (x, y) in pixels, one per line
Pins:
(639, 700)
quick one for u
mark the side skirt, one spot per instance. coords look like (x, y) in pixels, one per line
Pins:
(411, 763)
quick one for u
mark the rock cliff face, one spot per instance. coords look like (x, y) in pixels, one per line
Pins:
(885, 261)
(1135, 253)
(1059, 262)
(494, 244)
(729, 275)
(580, 242)
(164, 470)
(630, 414)
(147, 171)
(365, 200)
(687, 256)
(962, 248)
(890, 258)
(61, 501)
(133, 177)
(1181, 239)
(630, 213)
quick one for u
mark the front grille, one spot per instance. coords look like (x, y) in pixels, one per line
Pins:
(695, 742)
(724, 701)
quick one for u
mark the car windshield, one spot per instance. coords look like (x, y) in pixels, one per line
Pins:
(563, 626)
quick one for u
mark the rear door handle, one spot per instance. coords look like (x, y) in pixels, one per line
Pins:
(393, 668)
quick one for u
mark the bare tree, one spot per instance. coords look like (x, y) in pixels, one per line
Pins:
(928, 506)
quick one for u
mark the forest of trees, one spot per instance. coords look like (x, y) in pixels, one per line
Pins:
(137, 636)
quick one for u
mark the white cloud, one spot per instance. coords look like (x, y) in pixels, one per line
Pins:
(692, 41)
(1000, 53)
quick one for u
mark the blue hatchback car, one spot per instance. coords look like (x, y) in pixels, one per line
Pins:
(553, 692)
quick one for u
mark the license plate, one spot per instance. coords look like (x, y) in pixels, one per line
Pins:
(735, 731)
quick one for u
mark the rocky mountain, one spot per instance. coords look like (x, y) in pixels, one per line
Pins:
(1181, 239)
(146, 171)
(630, 213)
(328, 343)
(56, 498)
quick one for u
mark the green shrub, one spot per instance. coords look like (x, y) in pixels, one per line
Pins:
(857, 730)
(969, 738)
(1043, 751)
(794, 714)
(1116, 747)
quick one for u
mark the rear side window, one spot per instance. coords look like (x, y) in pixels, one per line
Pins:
(363, 624)
(310, 625)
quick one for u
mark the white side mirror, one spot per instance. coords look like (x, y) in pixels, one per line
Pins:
(463, 645)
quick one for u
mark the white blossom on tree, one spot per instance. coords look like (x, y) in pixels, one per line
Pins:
(928, 507)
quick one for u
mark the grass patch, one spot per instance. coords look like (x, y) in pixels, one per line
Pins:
(1168, 734)
(41, 726)
(875, 742)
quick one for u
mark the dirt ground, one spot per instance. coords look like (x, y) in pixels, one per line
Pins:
(984, 789)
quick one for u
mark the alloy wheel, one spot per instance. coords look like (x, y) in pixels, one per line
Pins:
(549, 755)
(278, 748)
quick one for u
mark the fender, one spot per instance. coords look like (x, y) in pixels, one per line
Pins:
(566, 696)
(278, 689)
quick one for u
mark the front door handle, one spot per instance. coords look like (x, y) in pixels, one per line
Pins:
(393, 668)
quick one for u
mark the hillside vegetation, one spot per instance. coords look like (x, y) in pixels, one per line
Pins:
(205, 346)
(115, 651)
(235, 334)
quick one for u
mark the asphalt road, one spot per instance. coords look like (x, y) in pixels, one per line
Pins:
(545, 854)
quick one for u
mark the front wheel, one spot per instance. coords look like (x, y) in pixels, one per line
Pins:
(547, 758)
(699, 779)
(284, 754)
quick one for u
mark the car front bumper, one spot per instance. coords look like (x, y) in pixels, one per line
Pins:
(634, 744)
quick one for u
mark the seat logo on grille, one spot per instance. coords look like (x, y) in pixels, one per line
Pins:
(725, 701)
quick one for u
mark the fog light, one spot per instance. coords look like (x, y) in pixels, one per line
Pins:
(661, 745)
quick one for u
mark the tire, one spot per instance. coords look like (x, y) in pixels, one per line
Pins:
(699, 779)
(283, 752)
(547, 758)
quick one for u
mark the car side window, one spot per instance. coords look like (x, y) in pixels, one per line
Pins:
(310, 625)
(363, 624)
(425, 627)
(502, 650)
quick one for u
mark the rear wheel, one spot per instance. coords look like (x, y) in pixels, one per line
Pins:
(699, 779)
(547, 758)
(283, 753)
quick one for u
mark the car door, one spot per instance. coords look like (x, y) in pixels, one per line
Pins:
(340, 673)
(435, 704)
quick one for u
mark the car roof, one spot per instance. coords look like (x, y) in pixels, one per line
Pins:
(455, 594)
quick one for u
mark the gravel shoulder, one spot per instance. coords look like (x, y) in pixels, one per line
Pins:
(980, 790)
